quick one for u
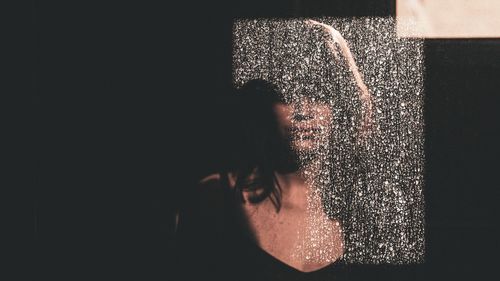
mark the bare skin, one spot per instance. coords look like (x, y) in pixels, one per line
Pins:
(281, 234)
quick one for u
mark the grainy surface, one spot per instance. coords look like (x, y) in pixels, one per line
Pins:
(375, 187)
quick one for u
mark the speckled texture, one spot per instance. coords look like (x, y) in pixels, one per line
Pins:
(373, 184)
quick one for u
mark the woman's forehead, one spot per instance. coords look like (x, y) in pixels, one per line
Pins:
(308, 99)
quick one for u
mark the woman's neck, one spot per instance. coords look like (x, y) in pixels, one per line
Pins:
(297, 186)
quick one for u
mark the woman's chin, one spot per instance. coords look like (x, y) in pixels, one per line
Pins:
(306, 146)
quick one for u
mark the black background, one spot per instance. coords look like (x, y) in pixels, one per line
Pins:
(125, 109)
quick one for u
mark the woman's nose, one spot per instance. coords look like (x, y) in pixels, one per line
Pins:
(300, 114)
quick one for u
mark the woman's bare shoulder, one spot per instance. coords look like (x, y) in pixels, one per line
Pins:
(218, 179)
(210, 178)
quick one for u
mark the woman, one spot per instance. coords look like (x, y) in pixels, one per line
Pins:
(269, 215)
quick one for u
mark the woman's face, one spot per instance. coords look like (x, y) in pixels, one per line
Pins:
(306, 123)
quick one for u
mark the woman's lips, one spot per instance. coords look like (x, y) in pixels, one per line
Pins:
(305, 133)
(306, 130)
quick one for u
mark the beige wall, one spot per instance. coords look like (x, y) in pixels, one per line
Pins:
(448, 18)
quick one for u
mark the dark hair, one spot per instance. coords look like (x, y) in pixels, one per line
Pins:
(262, 150)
